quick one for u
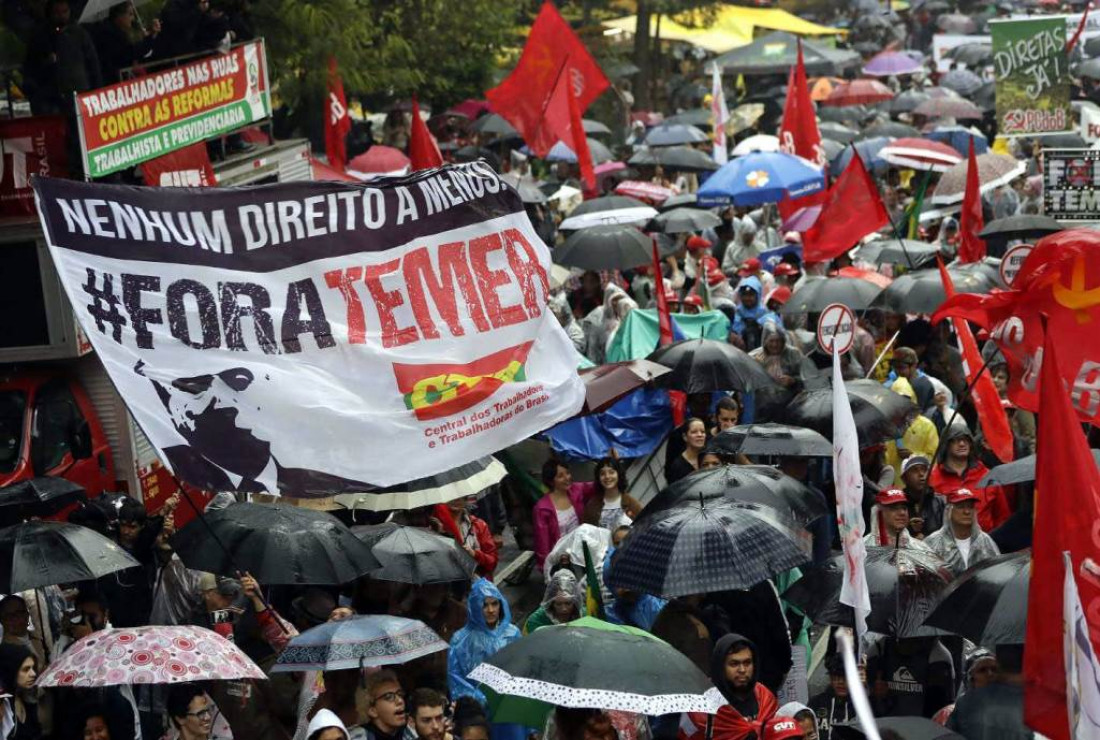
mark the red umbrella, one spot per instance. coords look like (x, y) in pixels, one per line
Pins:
(874, 278)
(859, 92)
(920, 154)
(646, 191)
(606, 384)
(822, 87)
(953, 107)
(379, 160)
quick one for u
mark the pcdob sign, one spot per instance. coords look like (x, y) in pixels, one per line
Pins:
(314, 338)
(126, 124)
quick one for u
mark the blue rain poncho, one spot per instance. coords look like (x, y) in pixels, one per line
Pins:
(475, 642)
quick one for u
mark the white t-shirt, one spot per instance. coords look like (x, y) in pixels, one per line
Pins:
(567, 521)
(964, 550)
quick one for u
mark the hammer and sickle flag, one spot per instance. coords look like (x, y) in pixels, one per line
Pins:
(1059, 281)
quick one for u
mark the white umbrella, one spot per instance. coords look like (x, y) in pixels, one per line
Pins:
(96, 10)
(757, 143)
(639, 214)
(598, 540)
(470, 479)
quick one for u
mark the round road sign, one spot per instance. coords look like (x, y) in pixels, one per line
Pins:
(836, 329)
(1012, 262)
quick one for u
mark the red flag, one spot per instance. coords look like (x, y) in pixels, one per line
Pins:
(1080, 29)
(423, 151)
(852, 210)
(337, 120)
(971, 223)
(987, 402)
(1060, 281)
(798, 133)
(553, 51)
(1067, 508)
(664, 318)
(185, 168)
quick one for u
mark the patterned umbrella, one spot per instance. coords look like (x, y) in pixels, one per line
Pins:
(761, 177)
(953, 107)
(149, 655)
(859, 92)
(920, 154)
(994, 170)
(889, 63)
(359, 642)
(589, 663)
(647, 191)
(702, 547)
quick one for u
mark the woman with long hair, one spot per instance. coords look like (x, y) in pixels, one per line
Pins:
(608, 509)
(18, 672)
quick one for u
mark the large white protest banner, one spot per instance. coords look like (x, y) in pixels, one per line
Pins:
(317, 338)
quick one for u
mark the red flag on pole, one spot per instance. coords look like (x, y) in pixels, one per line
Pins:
(987, 402)
(852, 210)
(337, 120)
(564, 116)
(423, 151)
(798, 133)
(553, 52)
(971, 223)
(1067, 508)
(664, 318)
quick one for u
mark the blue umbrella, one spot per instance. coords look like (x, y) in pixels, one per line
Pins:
(760, 177)
(958, 138)
(868, 149)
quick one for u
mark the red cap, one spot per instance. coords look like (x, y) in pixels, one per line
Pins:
(963, 494)
(697, 242)
(781, 728)
(751, 266)
(784, 268)
(671, 295)
(708, 263)
(693, 300)
(715, 277)
(781, 294)
(890, 496)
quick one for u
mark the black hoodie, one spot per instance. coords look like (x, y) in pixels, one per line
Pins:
(744, 702)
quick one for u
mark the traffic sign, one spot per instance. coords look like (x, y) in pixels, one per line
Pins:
(1012, 262)
(836, 328)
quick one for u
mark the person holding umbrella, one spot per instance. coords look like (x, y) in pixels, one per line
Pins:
(961, 541)
(925, 507)
(750, 704)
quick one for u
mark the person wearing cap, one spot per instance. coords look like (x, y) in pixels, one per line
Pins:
(777, 298)
(925, 507)
(721, 293)
(889, 523)
(958, 467)
(786, 274)
(783, 728)
(803, 715)
(752, 267)
(960, 541)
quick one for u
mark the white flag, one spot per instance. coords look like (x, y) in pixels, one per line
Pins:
(855, 686)
(720, 113)
(849, 502)
(1082, 670)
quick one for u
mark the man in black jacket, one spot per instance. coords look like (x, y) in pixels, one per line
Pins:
(61, 59)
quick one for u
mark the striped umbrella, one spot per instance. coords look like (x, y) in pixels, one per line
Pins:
(920, 154)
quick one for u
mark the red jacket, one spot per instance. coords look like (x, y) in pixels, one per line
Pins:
(486, 553)
(993, 506)
(728, 724)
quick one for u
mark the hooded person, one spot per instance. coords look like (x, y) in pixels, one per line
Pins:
(804, 718)
(958, 467)
(960, 541)
(751, 314)
(749, 704)
(780, 360)
(601, 324)
(562, 602)
(632, 608)
(890, 521)
(564, 314)
(488, 629)
(325, 725)
(834, 705)
(721, 292)
(921, 436)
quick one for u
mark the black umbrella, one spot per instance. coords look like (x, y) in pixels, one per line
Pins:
(817, 293)
(905, 252)
(674, 158)
(414, 555)
(987, 604)
(699, 117)
(528, 191)
(493, 123)
(758, 485)
(705, 365)
(474, 153)
(38, 497)
(847, 114)
(44, 553)
(608, 247)
(972, 55)
(922, 291)
(889, 129)
(904, 584)
(606, 203)
(906, 101)
(704, 547)
(772, 439)
(684, 220)
(837, 132)
(1018, 471)
(1023, 226)
(683, 200)
(469, 479)
(276, 543)
(671, 134)
(880, 414)
(906, 728)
